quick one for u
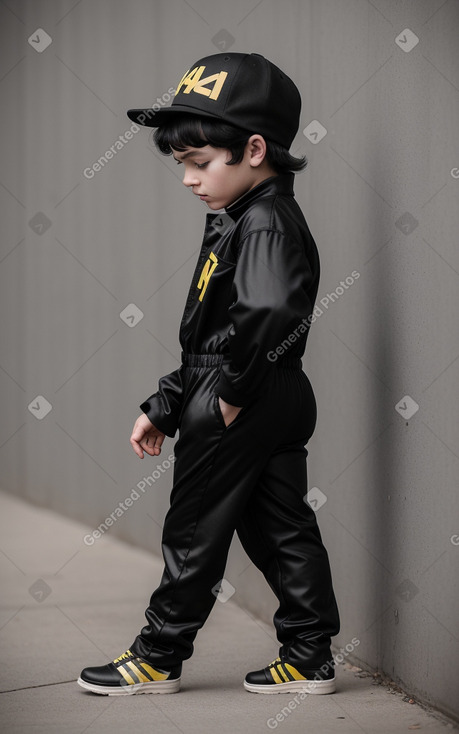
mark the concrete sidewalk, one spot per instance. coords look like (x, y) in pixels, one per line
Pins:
(67, 605)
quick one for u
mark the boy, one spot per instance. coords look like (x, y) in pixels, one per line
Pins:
(240, 399)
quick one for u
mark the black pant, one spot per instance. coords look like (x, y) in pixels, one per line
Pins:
(250, 477)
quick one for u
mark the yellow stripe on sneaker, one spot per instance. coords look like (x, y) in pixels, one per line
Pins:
(294, 672)
(283, 673)
(155, 674)
(136, 670)
(275, 675)
(126, 675)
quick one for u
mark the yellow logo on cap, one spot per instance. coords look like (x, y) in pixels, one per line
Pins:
(192, 82)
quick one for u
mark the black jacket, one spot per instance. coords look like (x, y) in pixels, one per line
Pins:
(251, 297)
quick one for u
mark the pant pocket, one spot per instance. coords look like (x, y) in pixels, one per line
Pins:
(219, 413)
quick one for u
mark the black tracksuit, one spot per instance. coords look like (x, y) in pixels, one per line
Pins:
(243, 332)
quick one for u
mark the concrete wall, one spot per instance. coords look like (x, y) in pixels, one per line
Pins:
(380, 195)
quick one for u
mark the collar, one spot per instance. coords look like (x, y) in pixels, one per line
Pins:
(282, 184)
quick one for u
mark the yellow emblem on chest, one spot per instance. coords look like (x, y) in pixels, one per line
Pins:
(209, 267)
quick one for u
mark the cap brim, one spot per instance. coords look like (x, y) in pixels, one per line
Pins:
(155, 118)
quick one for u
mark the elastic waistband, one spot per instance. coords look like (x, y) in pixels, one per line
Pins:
(201, 360)
(212, 360)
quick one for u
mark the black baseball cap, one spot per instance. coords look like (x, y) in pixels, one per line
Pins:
(245, 90)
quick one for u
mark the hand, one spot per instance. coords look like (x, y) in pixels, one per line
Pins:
(229, 412)
(146, 437)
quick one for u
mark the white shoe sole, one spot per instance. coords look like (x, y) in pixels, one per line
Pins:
(156, 686)
(318, 687)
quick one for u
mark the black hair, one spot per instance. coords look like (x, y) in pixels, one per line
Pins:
(188, 130)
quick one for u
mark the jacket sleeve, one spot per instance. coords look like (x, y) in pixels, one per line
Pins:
(163, 408)
(270, 298)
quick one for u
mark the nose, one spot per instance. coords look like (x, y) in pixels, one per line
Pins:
(190, 178)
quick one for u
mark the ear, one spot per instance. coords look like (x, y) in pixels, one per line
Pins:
(256, 150)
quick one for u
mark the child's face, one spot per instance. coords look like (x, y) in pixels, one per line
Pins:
(207, 174)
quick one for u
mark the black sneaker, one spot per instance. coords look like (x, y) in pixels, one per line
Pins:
(129, 674)
(282, 677)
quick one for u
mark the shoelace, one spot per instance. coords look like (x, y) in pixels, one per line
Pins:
(124, 656)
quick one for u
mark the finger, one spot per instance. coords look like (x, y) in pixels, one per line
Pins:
(136, 446)
(160, 440)
(156, 448)
(138, 433)
(148, 446)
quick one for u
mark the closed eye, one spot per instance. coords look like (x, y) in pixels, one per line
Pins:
(198, 165)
